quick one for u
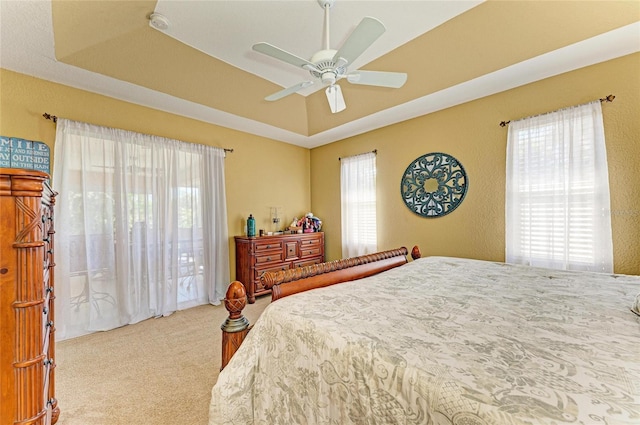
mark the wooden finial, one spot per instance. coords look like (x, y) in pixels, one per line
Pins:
(415, 252)
(235, 299)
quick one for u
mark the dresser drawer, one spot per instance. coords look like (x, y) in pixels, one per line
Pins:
(262, 246)
(310, 251)
(268, 257)
(311, 240)
(291, 250)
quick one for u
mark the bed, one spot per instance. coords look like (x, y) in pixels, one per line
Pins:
(438, 341)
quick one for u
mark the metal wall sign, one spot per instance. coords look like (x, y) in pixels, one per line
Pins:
(434, 185)
(21, 153)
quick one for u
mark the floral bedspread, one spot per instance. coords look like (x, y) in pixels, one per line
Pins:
(442, 341)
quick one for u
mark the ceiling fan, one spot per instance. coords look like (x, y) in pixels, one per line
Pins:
(328, 66)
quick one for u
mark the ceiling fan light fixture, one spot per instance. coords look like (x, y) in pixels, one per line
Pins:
(328, 78)
(158, 21)
(335, 98)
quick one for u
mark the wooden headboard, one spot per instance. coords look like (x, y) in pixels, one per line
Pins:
(293, 281)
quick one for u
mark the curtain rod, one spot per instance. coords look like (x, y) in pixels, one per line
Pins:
(375, 151)
(55, 120)
(608, 98)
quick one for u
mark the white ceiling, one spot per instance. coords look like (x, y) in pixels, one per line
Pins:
(227, 29)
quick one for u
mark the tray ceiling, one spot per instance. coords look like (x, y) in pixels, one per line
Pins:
(203, 66)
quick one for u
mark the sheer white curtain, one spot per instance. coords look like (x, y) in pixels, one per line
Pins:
(557, 195)
(358, 204)
(141, 227)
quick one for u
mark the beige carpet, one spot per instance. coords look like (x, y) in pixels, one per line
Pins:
(157, 372)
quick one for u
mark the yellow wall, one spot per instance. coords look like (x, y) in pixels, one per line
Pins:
(255, 177)
(470, 132)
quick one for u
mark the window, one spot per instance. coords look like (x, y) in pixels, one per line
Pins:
(557, 198)
(358, 203)
(141, 227)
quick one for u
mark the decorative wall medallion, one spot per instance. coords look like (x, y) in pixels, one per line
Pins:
(434, 185)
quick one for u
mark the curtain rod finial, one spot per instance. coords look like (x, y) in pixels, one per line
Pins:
(50, 117)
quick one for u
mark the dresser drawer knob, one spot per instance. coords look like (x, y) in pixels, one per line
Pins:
(4, 270)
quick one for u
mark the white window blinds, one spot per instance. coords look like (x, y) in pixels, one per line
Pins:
(358, 204)
(557, 197)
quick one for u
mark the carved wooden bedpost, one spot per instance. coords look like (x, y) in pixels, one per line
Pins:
(415, 252)
(235, 328)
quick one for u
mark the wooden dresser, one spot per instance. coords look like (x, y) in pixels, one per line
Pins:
(26, 299)
(257, 255)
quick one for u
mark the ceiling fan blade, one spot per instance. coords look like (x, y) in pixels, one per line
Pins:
(335, 98)
(289, 90)
(278, 53)
(378, 78)
(367, 31)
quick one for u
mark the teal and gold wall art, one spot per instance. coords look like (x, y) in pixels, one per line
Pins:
(434, 185)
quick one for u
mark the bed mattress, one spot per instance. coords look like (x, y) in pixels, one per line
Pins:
(442, 341)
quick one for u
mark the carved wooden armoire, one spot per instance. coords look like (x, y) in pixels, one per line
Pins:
(26, 299)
